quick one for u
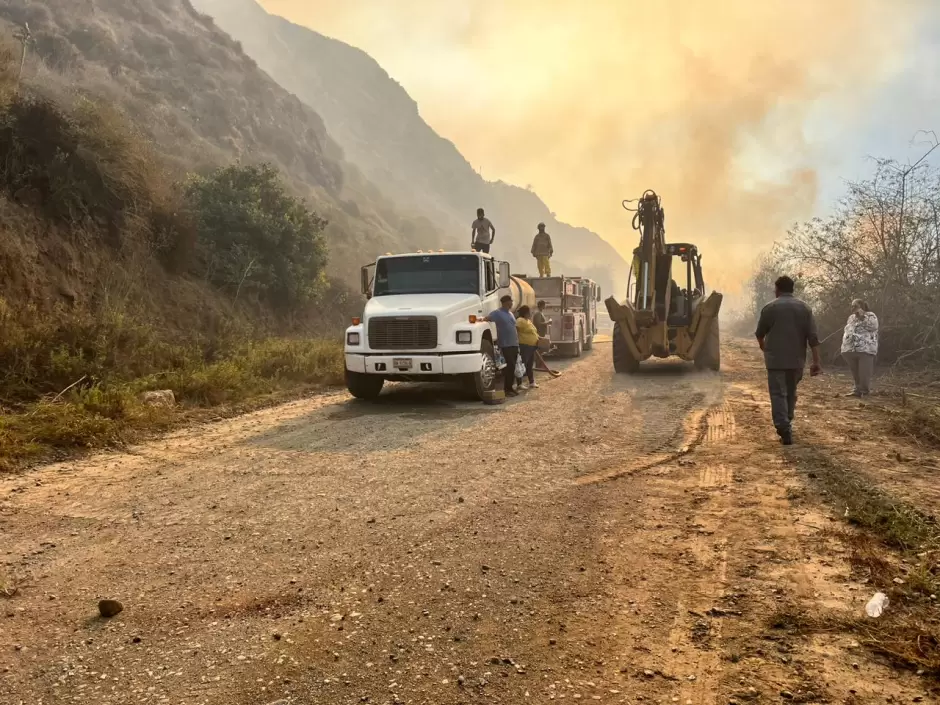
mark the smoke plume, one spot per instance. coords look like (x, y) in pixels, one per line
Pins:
(706, 102)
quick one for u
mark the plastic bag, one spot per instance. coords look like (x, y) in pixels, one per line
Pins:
(877, 605)
(520, 368)
(498, 358)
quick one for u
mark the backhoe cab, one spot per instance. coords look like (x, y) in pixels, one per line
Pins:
(667, 312)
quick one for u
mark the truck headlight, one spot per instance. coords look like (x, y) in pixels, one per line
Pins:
(464, 337)
(352, 339)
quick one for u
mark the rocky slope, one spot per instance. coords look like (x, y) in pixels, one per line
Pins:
(205, 103)
(380, 129)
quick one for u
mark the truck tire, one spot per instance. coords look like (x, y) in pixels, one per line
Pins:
(624, 363)
(709, 357)
(589, 343)
(363, 386)
(485, 380)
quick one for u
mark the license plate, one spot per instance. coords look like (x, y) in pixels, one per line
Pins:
(401, 363)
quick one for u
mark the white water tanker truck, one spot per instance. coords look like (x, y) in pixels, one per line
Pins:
(422, 321)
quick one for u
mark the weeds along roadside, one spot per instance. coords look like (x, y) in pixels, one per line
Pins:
(894, 548)
(102, 407)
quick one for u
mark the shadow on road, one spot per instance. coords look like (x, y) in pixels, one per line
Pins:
(413, 400)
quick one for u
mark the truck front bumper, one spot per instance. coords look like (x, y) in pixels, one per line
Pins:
(456, 364)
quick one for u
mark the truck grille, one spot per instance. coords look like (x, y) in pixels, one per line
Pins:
(403, 333)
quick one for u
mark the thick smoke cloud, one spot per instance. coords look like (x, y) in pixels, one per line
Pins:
(593, 102)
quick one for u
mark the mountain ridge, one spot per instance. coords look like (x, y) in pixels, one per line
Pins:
(205, 103)
(380, 129)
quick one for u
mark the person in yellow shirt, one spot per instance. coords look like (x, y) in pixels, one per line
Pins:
(528, 343)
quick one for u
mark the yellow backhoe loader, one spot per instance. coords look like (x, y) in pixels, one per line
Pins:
(667, 311)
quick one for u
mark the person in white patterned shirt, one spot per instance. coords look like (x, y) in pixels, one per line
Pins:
(860, 346)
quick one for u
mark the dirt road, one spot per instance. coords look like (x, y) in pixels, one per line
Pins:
(605, 538)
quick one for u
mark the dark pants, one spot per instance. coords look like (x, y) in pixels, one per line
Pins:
(528, 359)
(481, 247)
(509, 371)
(782, 385)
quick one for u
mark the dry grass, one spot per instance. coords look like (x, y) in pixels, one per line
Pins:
(895, 523)
(94, 415)
(918, 421)
(909, 638)
(895, 549)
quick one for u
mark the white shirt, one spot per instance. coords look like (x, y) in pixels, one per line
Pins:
(861, 334)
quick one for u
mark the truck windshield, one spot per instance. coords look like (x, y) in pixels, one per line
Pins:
(431, 274)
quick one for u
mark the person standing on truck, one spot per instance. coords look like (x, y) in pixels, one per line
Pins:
(528, 344)
(785, 328)
(542, 251)
(482, 233)
(508, 340)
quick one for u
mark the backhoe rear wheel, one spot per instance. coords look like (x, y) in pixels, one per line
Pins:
(624, 363)
(709, 357)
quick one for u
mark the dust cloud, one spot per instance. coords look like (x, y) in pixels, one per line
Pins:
(593, 102)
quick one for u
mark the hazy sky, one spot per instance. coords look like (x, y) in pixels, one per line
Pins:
(743, 115)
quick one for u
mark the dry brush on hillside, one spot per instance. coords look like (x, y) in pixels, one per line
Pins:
(882, 245)
(116, 278)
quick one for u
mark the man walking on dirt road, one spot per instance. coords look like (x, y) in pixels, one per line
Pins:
(482, 233)
(508, 340)
(785, 328)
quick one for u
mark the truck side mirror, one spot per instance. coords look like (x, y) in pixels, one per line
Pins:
(598, 293)
(364, 280)
(503, 275)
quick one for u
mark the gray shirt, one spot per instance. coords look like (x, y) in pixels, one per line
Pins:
(482, 231)
(506, 334)
(540, 323)
(787, 326)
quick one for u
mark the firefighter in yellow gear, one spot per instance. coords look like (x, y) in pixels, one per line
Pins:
(542, 251)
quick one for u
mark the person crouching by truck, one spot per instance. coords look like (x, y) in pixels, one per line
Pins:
(542, 250)
(508, 340)
(528, 344)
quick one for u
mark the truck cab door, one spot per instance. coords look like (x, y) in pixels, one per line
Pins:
(366, 278)
(490, 286)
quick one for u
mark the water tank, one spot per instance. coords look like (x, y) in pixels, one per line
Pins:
(521, 292)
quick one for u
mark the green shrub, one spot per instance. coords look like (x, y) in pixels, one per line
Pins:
(257, 237)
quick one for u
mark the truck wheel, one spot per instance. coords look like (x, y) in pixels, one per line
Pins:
(589, 343)
(576, 349)
(485, 380)
(623, 360)
(709, 357)
(363, 386)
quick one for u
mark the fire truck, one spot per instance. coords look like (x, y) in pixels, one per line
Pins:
(571, 306)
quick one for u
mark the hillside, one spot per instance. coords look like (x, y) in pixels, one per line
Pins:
(172, 220)
(204, 102)
(380, 129)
